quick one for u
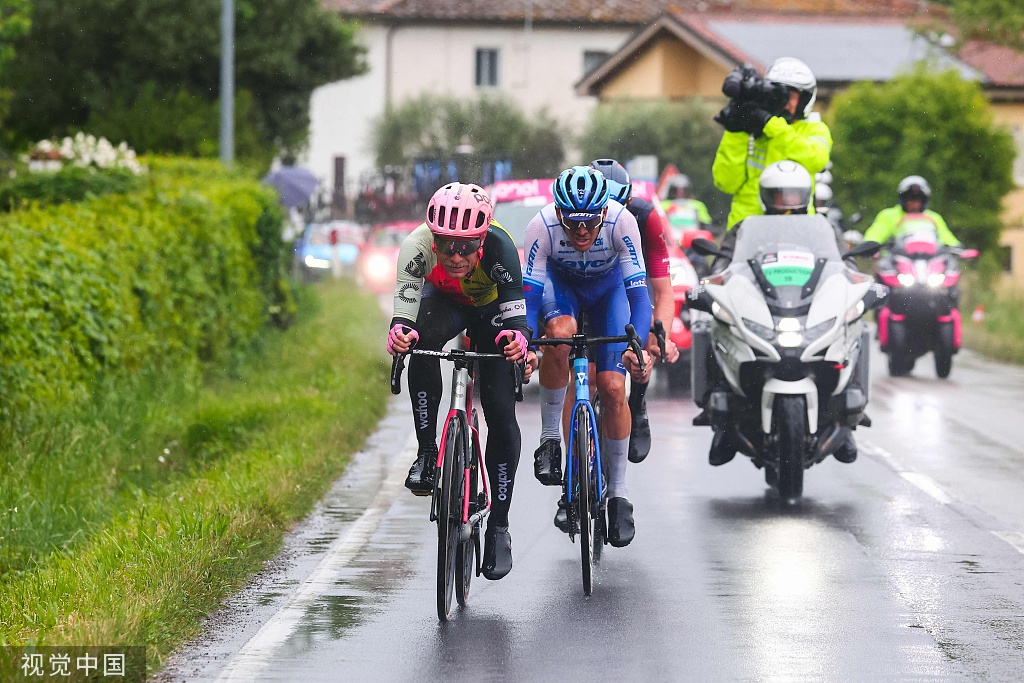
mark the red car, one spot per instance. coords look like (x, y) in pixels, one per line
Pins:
(377, 263)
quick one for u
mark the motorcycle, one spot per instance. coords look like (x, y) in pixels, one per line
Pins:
(921, 314)
(784, 323)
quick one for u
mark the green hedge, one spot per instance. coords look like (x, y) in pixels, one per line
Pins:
(70, 184)
(180, 272)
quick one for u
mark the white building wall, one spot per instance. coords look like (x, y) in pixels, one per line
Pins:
(537, 68)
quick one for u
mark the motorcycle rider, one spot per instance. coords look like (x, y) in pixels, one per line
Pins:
(755, 138)
(684, 212)
(914, 194)
(786, 188)
(460, 270)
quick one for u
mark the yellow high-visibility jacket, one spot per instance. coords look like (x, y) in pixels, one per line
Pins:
(741, 158)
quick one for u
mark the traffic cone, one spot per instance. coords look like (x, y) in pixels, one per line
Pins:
(979, 314)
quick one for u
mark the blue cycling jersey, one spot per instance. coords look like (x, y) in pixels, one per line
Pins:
(614, 261)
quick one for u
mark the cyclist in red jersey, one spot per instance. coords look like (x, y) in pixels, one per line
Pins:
(460, 270)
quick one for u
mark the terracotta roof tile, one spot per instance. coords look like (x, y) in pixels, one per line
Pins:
(608, 11)
(1002, 65)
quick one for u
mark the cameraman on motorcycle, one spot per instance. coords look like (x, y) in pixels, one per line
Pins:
(766, 121)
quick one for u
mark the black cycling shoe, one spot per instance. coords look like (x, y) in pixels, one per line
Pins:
(497, 560)
(702, 420)
(640, 435)
(562, 516)
(421, 475)
(722, 449)
(547, 462)
(620, 522)
(848, 451)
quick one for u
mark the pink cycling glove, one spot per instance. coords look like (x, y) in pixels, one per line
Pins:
(393, 336)
(517, 336)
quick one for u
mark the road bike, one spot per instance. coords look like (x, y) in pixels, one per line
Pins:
(583, 484)
(461, 499)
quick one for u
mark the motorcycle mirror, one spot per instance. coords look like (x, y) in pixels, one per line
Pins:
(853, 237)
(706, 247)
(855, 218)
(969, 253)
(869, 248)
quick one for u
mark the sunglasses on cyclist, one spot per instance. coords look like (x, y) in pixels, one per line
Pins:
(589, 224)
(452, 247)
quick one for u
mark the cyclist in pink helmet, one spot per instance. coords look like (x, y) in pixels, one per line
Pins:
(460, 271)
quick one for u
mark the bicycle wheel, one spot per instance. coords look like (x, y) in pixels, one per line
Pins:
(465, 563)
(581, 494)
(449, 514)
(598, 504)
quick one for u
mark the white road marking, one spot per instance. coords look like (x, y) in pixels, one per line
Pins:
(921, 481)
(1014, 538)
(254, 656)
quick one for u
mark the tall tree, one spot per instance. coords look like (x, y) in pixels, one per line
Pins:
(935, 125)
(991, 21)
(14, 23)
(96, 58)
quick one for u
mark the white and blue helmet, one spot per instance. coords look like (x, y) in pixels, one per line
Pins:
(582, 191)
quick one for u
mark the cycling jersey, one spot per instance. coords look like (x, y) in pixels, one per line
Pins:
(497, 278)
(653, 236)
(616, 254)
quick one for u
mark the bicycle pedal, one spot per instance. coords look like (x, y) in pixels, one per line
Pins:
(420, 494)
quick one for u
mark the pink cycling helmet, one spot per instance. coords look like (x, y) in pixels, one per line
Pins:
(459, 211)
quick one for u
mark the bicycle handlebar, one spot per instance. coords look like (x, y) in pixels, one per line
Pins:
(582, 341)
(455, 355)
(659, 333)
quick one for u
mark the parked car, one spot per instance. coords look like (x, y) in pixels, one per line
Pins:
(377, 264)
(321, 243)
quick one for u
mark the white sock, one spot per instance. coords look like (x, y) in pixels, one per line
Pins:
(551, 401)
(614, 459)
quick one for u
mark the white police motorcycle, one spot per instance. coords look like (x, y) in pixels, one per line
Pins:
(784, 323)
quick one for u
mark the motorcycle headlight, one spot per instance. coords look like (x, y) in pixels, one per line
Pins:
(905, 279)
(766, 333)
(936, 279)
(790, 332)
(813, 333)
(722, 314)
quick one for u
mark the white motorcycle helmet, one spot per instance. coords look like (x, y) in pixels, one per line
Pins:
(791, 72)
(914, 187)
(822, 198)
(785, 187)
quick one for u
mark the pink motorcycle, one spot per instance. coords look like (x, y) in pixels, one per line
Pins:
(921, 313)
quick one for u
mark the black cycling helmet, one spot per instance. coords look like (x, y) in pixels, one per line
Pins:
(620, 187)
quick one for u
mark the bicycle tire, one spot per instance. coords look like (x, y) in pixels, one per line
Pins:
(600, 525)
(449, 514)
(465, 562)
(581, 489)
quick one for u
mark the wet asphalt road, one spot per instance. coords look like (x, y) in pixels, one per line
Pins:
(904, 566)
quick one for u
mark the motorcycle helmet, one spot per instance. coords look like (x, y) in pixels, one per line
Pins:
(459, 211)
(793, 73)
(822, 198)
(914, 187)
(677, 182)
(581, 191)
(620, 187)
(785, 187)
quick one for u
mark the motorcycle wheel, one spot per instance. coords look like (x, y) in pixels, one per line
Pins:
(900, 360)
(944, 351)
(790, 425)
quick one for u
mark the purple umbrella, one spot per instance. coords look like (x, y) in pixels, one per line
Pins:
(295, 185)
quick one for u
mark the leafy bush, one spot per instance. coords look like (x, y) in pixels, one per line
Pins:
(69, 184)
(432, 126)
(679, 133)
(934, 125)
(182, 271)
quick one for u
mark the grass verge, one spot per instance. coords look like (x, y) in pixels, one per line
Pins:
(127, 521)
(1001, 335)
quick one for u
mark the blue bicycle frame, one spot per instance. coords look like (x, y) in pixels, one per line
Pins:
(581, 371)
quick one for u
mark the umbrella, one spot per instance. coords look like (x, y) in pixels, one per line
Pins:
(295, 185)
